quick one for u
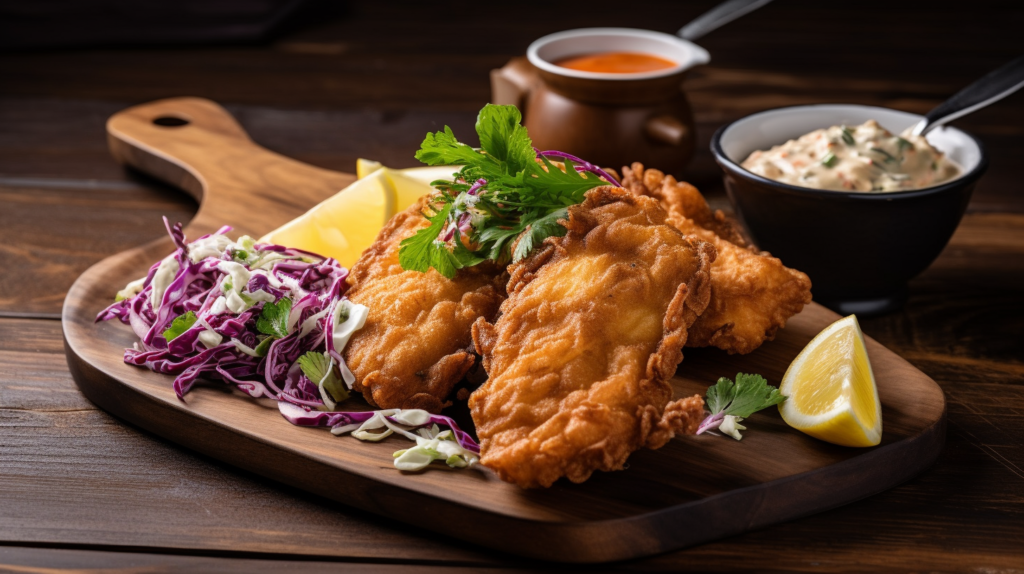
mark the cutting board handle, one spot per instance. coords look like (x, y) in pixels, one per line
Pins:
(196, 145)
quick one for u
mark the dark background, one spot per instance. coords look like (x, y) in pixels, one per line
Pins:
(329, 82)
(401, 59)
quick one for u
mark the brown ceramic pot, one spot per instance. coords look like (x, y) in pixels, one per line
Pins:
(608, 119)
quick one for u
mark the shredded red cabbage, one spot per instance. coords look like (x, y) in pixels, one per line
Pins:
(581, 165)
(224, 341)
(201, 284)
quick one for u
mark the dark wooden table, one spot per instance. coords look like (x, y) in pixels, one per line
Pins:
(81, 489)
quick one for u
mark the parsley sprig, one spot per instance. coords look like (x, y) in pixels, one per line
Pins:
(179, 325)
(731, 402)
(503, 193)
(319, 369)
(273, 319)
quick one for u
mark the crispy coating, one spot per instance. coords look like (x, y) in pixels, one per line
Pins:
(415, 346)
(592, 330)
(752, 293)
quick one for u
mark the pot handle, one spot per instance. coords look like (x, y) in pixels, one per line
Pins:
(666, 129)
(511, 84)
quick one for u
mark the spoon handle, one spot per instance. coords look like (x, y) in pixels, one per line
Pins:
(995, 86)
(718, 16)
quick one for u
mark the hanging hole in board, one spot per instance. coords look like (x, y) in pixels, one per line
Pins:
(171, 121)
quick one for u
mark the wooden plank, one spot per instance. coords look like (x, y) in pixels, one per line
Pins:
(969, 503)
(50, 233)
(72, 474)
(30, 145)
(53, 221)
(961, 516)
(985, 406)
(242, 184)
(46, 560)
(964, 314)
(392, 56)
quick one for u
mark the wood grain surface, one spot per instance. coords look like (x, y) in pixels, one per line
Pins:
(696, 489)
(370, 85)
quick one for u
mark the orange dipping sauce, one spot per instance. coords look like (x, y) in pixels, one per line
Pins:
(616, 63)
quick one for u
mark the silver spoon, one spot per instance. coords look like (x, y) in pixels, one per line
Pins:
(718, 16)
(995, 86)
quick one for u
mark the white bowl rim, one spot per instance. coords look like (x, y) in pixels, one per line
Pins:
(723, 132)
(699, 55)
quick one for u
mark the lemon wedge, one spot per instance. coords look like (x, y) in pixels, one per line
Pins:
(427, 174)
(365, 167)
(343, 225)
(831, 389)
(410, 183)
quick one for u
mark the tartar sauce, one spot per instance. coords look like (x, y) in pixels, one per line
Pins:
(855, 158)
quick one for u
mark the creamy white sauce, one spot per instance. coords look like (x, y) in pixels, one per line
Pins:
(865, 158)
(162, 280)
(212, 246)
(349, 317)
(130, 290)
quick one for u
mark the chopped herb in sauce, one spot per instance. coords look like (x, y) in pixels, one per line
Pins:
(848, 136)
(888, 157)
(865, 157)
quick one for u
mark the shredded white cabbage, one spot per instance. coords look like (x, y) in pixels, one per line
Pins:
(431, 444)
(212, 246)
(348, 318)
(162, 280)
(732, 427)
(434, 446)
(132, 289)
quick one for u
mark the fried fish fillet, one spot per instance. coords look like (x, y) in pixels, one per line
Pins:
(416, 344)
(580, 357)
(752, 293)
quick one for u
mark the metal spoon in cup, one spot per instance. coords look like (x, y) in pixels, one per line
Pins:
(995, 86)
(717, 17)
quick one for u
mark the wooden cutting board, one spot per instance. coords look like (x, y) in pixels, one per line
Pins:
(695, 489)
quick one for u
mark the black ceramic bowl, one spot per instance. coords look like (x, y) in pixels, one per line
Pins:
(859, 249)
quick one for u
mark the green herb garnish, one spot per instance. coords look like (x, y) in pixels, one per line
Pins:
(829, 160)
(731, 402)
(903, 144)
(179, 325)
(513, 196)
(318, 368)
(273, 320)
(263, 348)
(888, 157)
(848, 136)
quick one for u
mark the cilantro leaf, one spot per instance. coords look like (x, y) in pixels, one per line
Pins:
(538, 231)
(738, 400)
(318, 368)
(465, 257)
(561, 188)
(423, 250)
(264, 347)
(504, 139)
(273, 320)
(516, 202)
(179, 325)
(442, 148)
(719, 395)
(749, 394)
